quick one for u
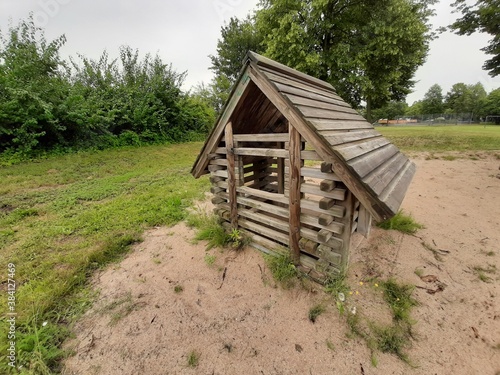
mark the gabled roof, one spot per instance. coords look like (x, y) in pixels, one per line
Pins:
(376, 172)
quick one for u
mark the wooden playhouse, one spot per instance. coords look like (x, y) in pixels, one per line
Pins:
(292, 165)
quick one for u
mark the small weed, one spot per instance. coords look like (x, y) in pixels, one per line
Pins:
(449, 157)
(401, 222)
(419, 272)
(178, 289)
(374, 359)
(399, 297)
(282, 269)
(315, 311)
(482, 272)
(489, 253)
(434, 251)
(210, 259)
(237, 240)
(330, 345)
(156, 261)
(229, 347)
(392, 339)
(337, 284)
(193, 359)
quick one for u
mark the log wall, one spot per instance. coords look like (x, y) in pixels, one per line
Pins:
(319, 233)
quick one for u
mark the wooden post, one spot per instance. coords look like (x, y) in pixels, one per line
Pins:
(281, 171)
(294, 195)
(231, 176)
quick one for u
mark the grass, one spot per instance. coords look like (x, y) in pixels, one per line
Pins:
(178, 289)
(209, 229)
(193, 359)
(282, 269)
(444, 138)
(314, 312)
(64, 217)
(402, 223)
(483, 272)
(210, 259)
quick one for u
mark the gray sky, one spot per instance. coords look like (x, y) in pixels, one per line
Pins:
(184, 33)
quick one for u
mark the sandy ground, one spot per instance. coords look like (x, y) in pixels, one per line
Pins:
(244, 324)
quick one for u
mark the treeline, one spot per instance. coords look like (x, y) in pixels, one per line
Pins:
(48, 103)
(467, 102)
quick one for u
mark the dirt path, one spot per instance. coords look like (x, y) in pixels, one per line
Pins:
(245, 325)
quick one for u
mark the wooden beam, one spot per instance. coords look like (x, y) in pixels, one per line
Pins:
(364, 221)
(231, 175)
(294, 193)
(237, 95)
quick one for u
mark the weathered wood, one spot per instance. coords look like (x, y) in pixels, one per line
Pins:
(337, 194)
(218, 162)
(312, 112)
(280, 170)
(308, 245)
(215, 179)
(348, 203)
(332, 104)
(326, 167)
(328, 254)
(213, 168)
(333, 226)
(394, 193)
(316, 173)
(326, 203)
(294, 193)
(324, 125)
(320, 145)
(382, 176)
(324, 235)
(215, 189)
(264, 231)
(217, 200)
(266, 137)
(325, 219)
(312, 235)
(261, 152)
(231, 175)
(351, 151)
(327, 185)
(220, 173)
(237, 95)
(310, 155)
(351, 136)
(368, 163)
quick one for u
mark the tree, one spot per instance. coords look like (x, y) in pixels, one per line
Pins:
(237, 38)
(483, 16)
(433, 101)
(368, 50)
(466, 99)
(415, 109)
(392, 110)
(492, 103)
(33, 85)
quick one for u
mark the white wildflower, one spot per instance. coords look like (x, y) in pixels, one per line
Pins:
(341, 297)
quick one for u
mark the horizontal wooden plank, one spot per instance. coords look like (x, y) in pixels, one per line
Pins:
(351, 136)
(327, 185)
(379, 178)
(265, 219)
(283, 79)
(312, 235)
(368, 163)
(338, 106)
(265, 137)
(219, 173)
(261, 152)
(328, 254)
(310, 155)
(351, 151)
(316, 173)
(313, 113)
(264, 231)
(337, 194)
(311, 206)
(324, 125)
(288, 89)
(222, 162)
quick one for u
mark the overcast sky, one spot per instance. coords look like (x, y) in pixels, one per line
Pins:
(184, 33)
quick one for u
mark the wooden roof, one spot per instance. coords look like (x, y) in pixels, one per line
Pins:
(375, 170)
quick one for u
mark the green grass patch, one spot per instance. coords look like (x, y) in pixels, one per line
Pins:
(444, 138)
(400, 300)
(402, 223)
(64, 217)
(282, 269)
(209, 229)
(315, 311)
(193, 359)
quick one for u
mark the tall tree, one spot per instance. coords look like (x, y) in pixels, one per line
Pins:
(237, 38)
(433, 101)
(466, 99)
(368, 50)
(483, 16)
(492, 103)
